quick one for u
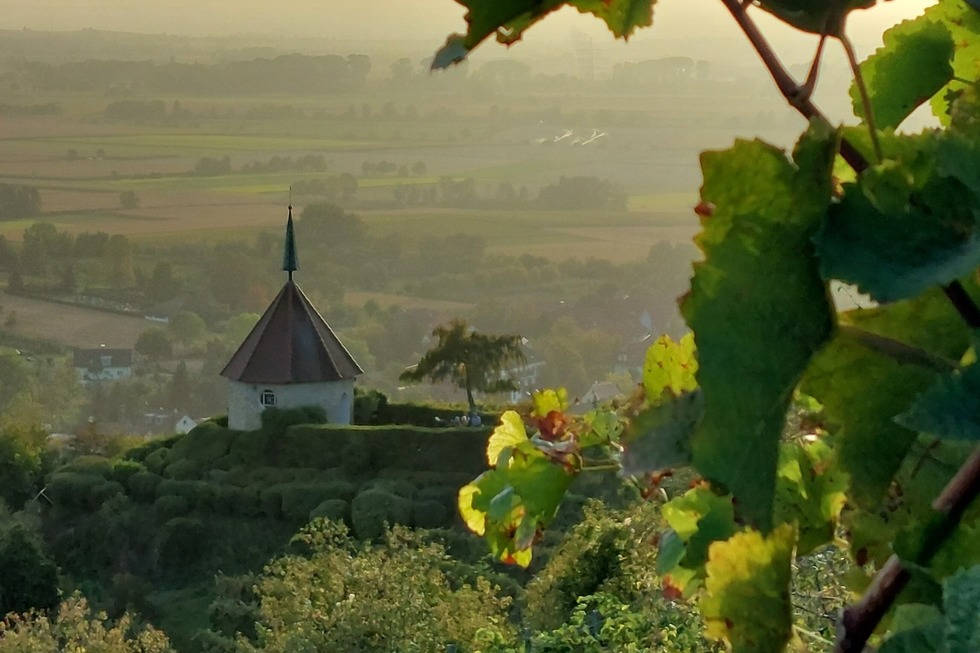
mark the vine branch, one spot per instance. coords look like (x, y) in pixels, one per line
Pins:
(860, 619)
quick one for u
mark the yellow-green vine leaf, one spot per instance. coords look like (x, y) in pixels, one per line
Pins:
(697, 518)
(670, 367)
(758, 307)
(509, 433)
(747, 599)
(810, 492)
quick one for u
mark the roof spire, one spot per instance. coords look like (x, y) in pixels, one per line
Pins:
(289, 261)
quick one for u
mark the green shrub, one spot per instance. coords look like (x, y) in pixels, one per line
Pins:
(393, 485)
(183, 541)
(298, 499)
(204, 444)
(122, 470)
(355, 457)
(333, 509)
(275, 421)
(182, 469)
(29, 579)
(370, 407)
(372, 509)
(94, 465)
(81, 491)
(271, 501)
(171, 505)
(254, 448)
(156, 460)
(429, 514)
(142, 486)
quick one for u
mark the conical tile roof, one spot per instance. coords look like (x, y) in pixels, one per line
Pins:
(291, 343)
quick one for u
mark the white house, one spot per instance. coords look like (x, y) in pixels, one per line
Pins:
(291, 358)
(103, 364)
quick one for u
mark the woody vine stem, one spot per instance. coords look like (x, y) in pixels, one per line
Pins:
(859, 621)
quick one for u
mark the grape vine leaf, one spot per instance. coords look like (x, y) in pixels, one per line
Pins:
(659, 437)
(913, 65)
(509, 19)
(509, 433)
(757, 305)
(961, 603)
(963, 23)
(747, 600)
(950, 408)
(696, 519)
(669, 367)
(810, 492)
(904, 226)
(870, 445)
(511, 504)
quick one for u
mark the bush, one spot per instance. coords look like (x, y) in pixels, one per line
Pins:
(29, 579)
(169, 506)
(94, 465)
(123, 470)
(372, 509)
(298, 499)
(205, 444)
(156, 460)
(332, 509)
(429, 514)
(183, 541)
(81, 491)
(143, 486)
(356, 457)
(394, 598)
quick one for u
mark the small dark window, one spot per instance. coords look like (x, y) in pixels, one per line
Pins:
(267, 398)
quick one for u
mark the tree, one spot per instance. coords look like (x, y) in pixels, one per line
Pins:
(120, 269)
(129, 200)
(154, 343)
(187, 327)
(30, 579)
(880, 453)
(470, 360)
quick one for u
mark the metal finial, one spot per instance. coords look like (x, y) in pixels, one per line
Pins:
(290, 263)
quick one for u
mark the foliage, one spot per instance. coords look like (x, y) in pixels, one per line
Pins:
(76, 628)
(882, 456)
(154, 343)
(30, 578)
(398, 596)
(470, 360)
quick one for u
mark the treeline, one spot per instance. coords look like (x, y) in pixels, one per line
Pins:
(294, 73)
(19, 201)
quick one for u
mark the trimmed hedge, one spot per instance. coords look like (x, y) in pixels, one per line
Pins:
(463, 450)
(373, 509)
(424, 416)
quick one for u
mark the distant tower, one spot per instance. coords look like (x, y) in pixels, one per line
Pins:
(291, 358)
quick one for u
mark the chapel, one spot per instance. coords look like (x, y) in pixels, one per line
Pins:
(291, 358)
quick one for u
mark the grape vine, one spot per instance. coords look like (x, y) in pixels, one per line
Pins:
(886, 461)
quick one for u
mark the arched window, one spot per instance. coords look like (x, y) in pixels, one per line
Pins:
(267, 398)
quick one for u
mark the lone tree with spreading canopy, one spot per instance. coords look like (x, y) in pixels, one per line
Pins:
(469, 359)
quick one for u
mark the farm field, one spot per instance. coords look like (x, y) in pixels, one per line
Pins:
(72, 326)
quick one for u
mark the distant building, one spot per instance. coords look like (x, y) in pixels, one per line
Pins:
(185, 424)
(291, 358)
(103, 364)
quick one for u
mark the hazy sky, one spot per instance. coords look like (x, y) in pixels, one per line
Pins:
(427, 20)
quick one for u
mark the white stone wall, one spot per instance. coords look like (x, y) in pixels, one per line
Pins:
(245, 407)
